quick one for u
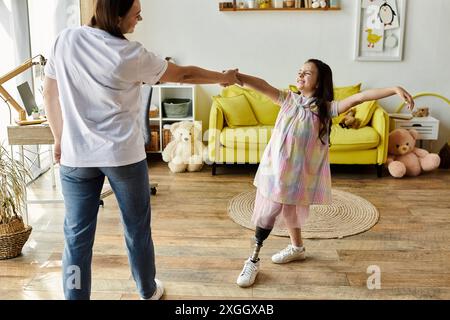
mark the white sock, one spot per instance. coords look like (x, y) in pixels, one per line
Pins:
(301, 248)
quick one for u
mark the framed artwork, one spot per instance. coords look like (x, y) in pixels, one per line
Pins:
(380, 28)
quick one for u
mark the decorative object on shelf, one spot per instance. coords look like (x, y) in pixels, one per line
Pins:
(289, 3)
(278, 4)
(154, 112)
(186, 152)
(177, 108)
(264, 4)
(251, 4)
(13, 232)
(421, 112)
(318, 4)
(405, 159)
(334, 3)
(381, 27)
(226, 5)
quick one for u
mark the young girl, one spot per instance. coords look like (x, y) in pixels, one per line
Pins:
(294, 172)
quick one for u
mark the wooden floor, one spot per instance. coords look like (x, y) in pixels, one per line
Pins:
(200, 251)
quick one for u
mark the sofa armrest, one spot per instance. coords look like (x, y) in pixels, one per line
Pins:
(380, 123)
(216, 123)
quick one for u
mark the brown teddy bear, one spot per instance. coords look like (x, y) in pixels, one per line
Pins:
(349, 120)
(421, 112)
(404, 158)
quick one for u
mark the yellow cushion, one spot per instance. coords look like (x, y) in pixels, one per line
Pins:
(265, 110)
(247, 137)
(353, 139)
(237, 111)
(340, 93)
(364, 112)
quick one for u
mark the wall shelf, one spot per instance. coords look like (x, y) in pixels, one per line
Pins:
(280, 9)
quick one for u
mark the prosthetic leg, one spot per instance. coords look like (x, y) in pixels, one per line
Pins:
(260, 235)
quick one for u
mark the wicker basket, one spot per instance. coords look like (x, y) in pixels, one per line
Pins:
(12, 238)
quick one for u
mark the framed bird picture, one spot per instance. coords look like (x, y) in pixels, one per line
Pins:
(380, 28)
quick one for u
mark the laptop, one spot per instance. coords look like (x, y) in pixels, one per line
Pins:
(27, 96)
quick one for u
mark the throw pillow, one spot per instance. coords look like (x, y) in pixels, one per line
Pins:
(265, 110)
(237, 111)
(340, 93)
(364, 112)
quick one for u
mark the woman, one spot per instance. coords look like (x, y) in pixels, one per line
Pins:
(92, 94)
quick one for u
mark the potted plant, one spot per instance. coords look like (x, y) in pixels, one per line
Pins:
(35, 113)
(13, 232)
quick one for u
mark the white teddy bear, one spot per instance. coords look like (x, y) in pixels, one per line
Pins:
(186, 152)
(319, 3)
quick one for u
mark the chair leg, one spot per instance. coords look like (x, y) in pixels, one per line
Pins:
(379, 170)
(214, 169)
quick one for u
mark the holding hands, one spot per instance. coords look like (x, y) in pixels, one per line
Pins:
(230, 78)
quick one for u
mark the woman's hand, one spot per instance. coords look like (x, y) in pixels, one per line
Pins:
(57, 152)
(406, 97)
(230, 78)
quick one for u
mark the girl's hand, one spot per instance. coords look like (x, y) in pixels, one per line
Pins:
(406, 97)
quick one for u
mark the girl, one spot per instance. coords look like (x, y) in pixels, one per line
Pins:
(294, 171)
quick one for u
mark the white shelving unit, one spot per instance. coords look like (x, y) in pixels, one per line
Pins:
(170, 91)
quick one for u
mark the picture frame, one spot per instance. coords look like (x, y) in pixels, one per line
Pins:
(380, 30)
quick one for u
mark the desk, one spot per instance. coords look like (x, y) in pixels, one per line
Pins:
(33, 135)
(42, 135)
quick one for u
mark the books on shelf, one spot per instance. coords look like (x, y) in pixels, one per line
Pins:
(401, 116)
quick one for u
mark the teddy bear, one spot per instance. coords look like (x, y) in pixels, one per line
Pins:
(185, 152)
(349, 120)
(404, 158)
(319, 3)
(421, 112)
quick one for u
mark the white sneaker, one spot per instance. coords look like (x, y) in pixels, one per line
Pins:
(289, 254)
(158, 292)
(248, 274)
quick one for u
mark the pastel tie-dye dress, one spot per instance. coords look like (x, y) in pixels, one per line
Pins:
(294, 169)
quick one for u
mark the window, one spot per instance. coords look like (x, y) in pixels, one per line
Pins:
(29, 28)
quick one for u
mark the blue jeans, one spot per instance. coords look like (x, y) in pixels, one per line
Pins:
(81, 189)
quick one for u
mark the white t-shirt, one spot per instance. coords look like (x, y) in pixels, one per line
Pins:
(99, 79)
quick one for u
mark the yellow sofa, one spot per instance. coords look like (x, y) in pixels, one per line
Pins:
(236, 136)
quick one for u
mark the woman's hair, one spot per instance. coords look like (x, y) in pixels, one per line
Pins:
(324, 94)
(107, 13)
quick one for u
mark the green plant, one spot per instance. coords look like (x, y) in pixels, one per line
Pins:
(13, 176)
(35, 110)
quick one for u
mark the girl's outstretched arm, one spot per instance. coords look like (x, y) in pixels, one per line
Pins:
(259, 85)
(375, 94)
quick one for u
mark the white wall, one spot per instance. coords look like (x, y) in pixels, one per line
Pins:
(273, 45)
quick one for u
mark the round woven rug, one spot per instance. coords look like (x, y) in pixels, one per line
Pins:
(347, 215)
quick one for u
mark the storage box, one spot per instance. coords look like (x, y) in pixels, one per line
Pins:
(167, 137)
(428, 127)
(177, 108)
